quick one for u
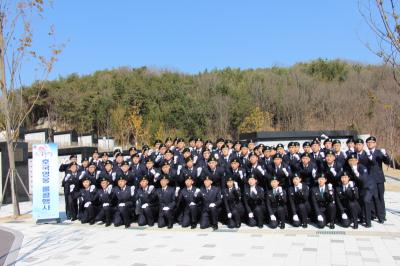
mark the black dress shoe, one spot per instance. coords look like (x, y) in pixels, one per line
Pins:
(260, 226)
(282, 226)
(238, 225)
(127, 225)
(381, 221)
(108, 224)
(193, 226)
(368, 225)
(355, 226)
(170, 226)
(332, 226)
(74, 219)
(91, 222)
(304, 225)
(215, 227)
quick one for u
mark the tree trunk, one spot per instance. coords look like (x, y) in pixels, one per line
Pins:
(6, 112)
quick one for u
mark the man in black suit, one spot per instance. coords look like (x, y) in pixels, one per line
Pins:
(211, 200)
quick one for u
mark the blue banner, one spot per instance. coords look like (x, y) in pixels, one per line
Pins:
(45, 181)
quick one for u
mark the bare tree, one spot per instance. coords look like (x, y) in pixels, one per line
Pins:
(382, 16)
(16, 46)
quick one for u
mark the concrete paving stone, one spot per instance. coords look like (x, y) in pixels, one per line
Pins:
(205, 257)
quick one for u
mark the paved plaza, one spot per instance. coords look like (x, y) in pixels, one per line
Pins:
(71, 243)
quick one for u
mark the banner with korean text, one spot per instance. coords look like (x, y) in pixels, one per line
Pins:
(45, 181)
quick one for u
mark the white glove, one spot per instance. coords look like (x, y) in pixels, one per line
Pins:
(113, 175)
(165, 209)
(109, 189)
(144, 206)
(151, 187)
(175, 159)
(273, 218)
(199, 171)
(296, 218)
(196, 192)
(67, 177)
(229, 215)
(344, 216)
(177, 191)
(329, 186)
(121, 205)
(195, 159)
(106, 204)
(251, 215)
(212, 205)
(132, 191)
(279, 190)
(320, 218)
(351, 184)
(178, 171)
(71, 188)
(87, 204)
(314, 172)
(216, 156)
(92, 187)
(285, 172)
(241, 174)
(192, 204)
(296, 156)
(253, 190)
(384, 152)
(153, 171)
(356, 171)
(333, 171)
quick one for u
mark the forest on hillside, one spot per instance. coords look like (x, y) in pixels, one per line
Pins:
(139, 105)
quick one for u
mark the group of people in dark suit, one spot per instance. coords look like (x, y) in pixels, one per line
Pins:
(205, 183)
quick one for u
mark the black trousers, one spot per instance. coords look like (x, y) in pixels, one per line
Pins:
(147, 216)
(88, 214)
(104, 215)
(123, 215)
(209, 216)
(258, 219)
(165, 218)
(302, 210)
(328, 214)
(280, 214)
(237, 211)
(190, 216)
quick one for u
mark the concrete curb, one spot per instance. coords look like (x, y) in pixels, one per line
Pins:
(12, 254)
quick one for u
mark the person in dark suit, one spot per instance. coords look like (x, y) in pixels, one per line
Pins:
(376, 158)
(146, 202)
(125, 198)
(167, 203)
(70, 183)
(232, 198)
(347, 201)
(86, 200)
(280, 170)
(365, 184)
(106, 201)
(189, 200)
(323, 203)
(331, 169)
(307, 170)
(253, 200)
(275, 200)
(237, 173)
(298, 200)
(211, 200)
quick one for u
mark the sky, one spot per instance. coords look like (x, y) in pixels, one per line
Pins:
(191, 36)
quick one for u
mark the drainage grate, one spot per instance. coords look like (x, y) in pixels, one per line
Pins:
(331, 232)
